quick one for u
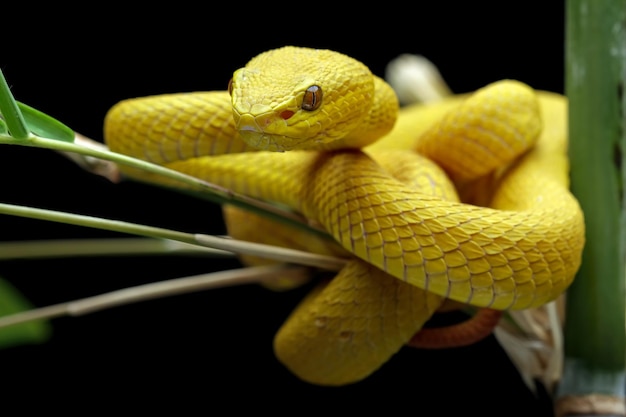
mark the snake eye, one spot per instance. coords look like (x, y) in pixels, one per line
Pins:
(312, 98)
(230, 87)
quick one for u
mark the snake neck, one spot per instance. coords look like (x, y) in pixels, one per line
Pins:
(376, 124)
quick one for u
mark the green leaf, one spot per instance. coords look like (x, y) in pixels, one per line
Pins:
(12, 301)
(45, 126)
(11, 112)
(21, 119)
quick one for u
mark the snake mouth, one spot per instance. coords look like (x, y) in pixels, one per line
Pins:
(267, 132)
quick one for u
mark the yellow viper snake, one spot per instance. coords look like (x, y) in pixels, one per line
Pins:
(314, 130)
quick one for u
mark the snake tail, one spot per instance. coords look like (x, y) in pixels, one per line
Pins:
(465, 333)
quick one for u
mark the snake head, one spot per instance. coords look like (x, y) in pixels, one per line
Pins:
(299, 98)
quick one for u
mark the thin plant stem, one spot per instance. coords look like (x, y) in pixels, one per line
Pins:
(205, 189)
(155, 290)
(222, 243)
(61, 248)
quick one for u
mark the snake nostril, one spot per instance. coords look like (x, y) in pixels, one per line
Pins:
(286, 114)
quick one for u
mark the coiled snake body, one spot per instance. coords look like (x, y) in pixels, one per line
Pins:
(364, 170)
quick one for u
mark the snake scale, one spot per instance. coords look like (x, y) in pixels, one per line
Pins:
(466, 199)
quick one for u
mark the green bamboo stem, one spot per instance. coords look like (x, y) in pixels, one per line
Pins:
(595, 336)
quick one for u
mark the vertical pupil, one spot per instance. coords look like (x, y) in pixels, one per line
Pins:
(312, 98)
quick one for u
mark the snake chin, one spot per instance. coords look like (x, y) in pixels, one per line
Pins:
(271, 142)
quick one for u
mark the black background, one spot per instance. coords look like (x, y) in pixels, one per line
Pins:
(213, 349)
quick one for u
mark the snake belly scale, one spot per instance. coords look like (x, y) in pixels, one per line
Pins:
(316, 131)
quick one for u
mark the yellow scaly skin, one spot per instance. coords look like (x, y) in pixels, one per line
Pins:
(412, 244)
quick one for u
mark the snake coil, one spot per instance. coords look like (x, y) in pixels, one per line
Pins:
(385, 183)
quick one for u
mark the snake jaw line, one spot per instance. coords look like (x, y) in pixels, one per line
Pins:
(266, 130)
